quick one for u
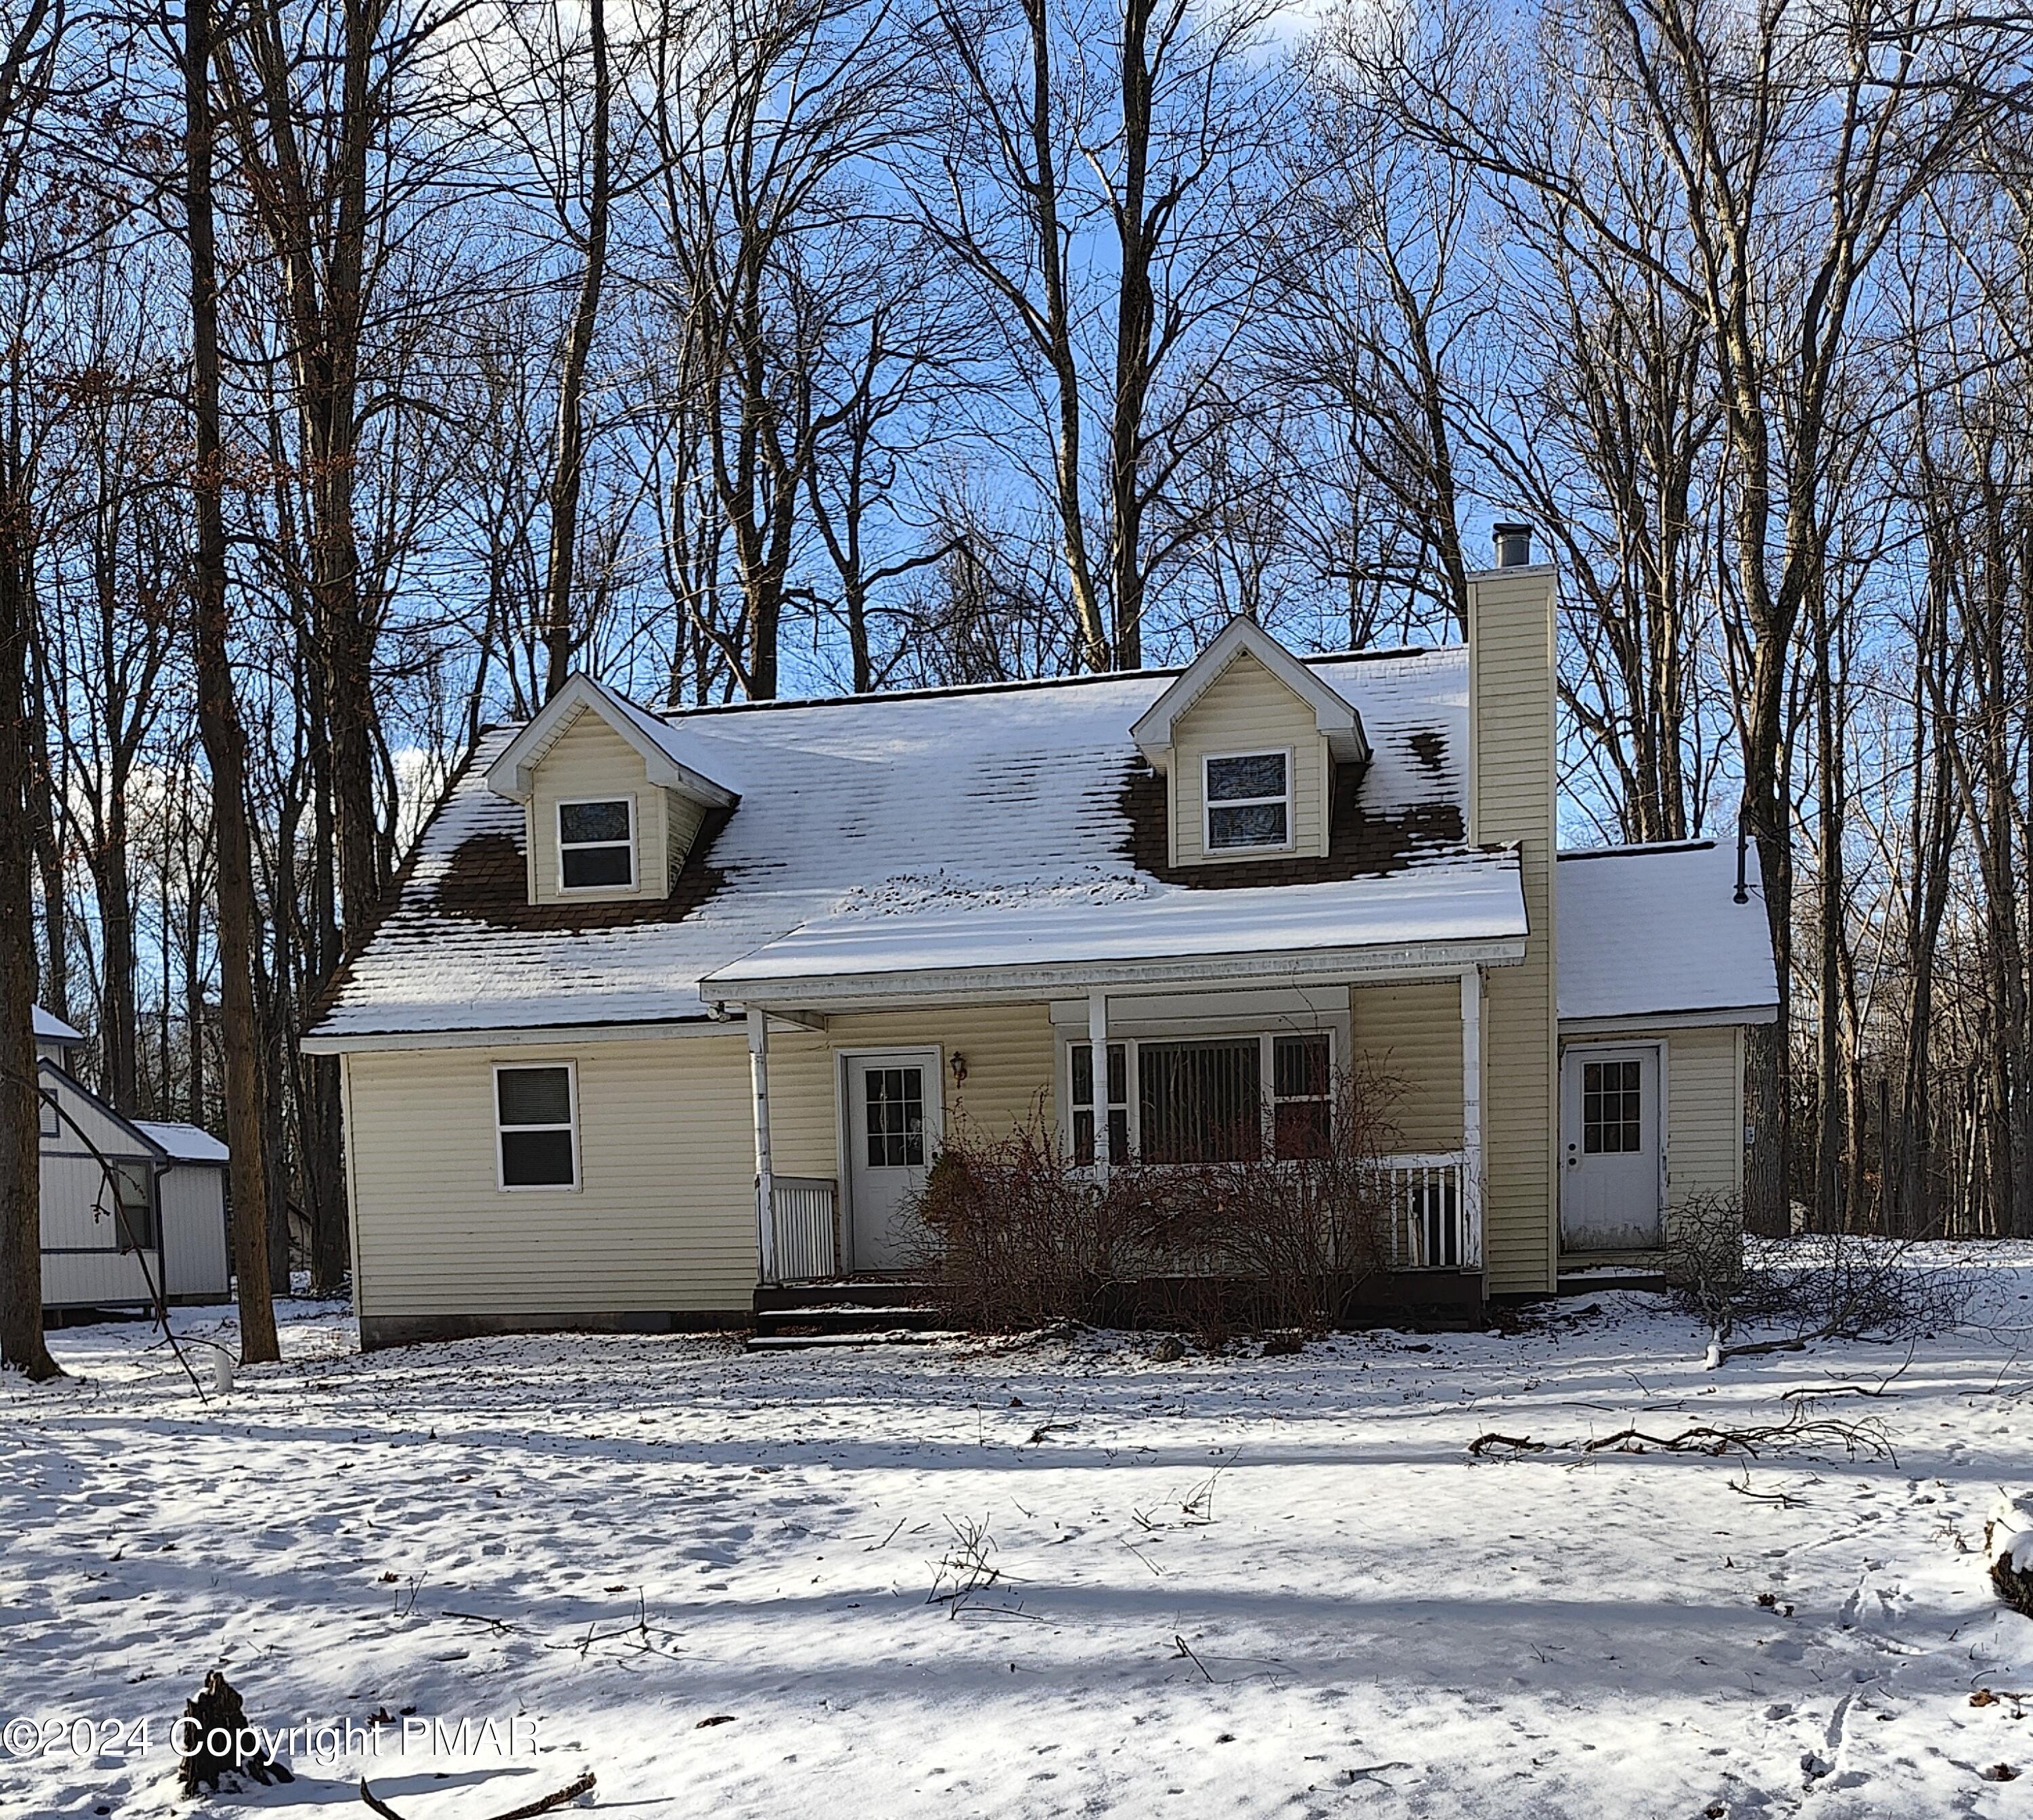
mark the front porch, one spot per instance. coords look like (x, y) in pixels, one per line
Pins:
(873, 1084)
(1433, 1224)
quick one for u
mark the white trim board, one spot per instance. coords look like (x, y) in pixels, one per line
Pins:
(1443, 960)
(1639, 1023)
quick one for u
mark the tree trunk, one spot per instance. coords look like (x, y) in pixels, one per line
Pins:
(218, 723)
(559, 628)
(22, 1344)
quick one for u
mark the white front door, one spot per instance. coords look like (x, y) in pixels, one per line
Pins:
(1609, 1149)
(892, 1119)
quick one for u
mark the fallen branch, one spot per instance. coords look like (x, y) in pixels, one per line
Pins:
(1854, 1438)
(527, 1811)
(1518, 1444)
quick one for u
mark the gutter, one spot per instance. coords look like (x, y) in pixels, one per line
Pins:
(1047, 979)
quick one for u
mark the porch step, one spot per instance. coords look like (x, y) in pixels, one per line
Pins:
(841, 1311)
(846, 1292)
(834, 1342)
(1594, 1282)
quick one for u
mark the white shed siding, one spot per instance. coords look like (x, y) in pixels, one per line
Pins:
(82, 1261)
(98, 1280)
(664, 1220)
(190, 1202)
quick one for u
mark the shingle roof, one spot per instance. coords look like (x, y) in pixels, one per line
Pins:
(1019, 799)
(1655, 932)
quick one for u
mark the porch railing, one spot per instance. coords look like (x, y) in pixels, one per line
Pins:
(802, 1218)
(1432, 1211)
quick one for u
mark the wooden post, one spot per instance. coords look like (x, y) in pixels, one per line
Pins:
(1097, 1036)
(1471, 1185)
(765, 1185)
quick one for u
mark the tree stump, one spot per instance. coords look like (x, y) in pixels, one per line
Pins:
(2008, 1546)
(220, 1742)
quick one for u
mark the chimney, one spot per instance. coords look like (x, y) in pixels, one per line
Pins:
(1514, 545)
(1512, 801)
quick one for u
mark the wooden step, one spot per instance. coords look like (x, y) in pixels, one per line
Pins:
(813, 1318)
(832, 1342)
(846, 1292)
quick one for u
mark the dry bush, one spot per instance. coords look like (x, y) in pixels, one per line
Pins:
(1019, 1234)
(1830, 1285)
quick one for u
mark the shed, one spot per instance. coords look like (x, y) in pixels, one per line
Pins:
(127, 1205)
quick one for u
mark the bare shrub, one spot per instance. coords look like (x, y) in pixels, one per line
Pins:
(1828, 1286)
(1020, 1232)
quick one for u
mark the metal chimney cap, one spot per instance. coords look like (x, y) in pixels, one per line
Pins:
(1514, 545)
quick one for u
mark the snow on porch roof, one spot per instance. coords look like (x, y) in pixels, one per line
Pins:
(1656, 931)
(1471, 909)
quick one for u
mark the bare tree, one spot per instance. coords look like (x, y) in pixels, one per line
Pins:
(29, 83)
(218, 715)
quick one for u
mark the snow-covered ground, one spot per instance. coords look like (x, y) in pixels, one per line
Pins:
(1225, 1585)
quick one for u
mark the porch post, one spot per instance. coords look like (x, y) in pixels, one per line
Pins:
(1471, 1188)
(765, 1189)
(1097, 1036)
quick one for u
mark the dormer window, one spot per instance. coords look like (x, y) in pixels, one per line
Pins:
(1249, 800)
(596, 844)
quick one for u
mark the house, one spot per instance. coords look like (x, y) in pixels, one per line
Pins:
(672, 1008)
(129, 1206)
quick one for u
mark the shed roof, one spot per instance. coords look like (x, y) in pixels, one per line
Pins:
(51, 1028)
(184, 1143)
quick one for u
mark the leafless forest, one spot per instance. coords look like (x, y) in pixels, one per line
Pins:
(372, 364)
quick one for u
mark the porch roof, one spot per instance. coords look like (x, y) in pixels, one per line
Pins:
(1443, 916)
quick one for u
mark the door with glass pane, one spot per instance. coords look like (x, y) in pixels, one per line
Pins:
(1610, 1125)
(893, 1119)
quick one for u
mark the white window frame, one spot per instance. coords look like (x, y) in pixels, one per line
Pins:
(558, 837)
(1266, 1037)
(1208, 805)
(502, 1184)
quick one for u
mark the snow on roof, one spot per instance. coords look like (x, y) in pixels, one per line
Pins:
(1334, 714)
(185, 1143)
(51, 1028)
(1655, 932)
(1475, 898)
(658, 742)
(1016, 801)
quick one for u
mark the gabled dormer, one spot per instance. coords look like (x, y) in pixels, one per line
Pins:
(610, 808)
(1247, 740)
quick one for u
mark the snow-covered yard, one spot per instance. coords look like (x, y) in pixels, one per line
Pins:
(1232, 1585)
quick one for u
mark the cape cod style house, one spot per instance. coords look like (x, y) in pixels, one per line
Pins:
(672, 1008)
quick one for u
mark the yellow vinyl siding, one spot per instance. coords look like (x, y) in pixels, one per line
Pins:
(1704, 1115)
(1247, 709)
(1008, 1051)
(681, 828)
(1511, 720)
(664, 1220)
(1414, 1035)
(590, 760)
